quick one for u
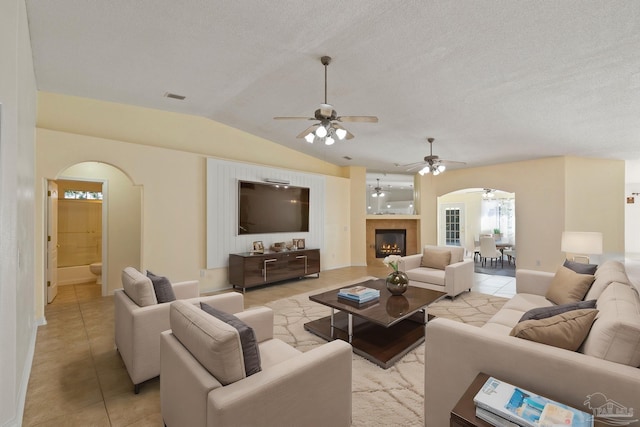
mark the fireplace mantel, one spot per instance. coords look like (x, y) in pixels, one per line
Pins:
(396, 217)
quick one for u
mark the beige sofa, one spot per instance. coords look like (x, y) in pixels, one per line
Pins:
(139, 319)
(607, 361)
(203, 378)
(430, 270)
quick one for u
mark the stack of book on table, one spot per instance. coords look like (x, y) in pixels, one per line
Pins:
(359, 294)
(502, 404)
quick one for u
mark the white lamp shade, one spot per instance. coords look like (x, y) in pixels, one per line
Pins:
(341, 133)
(321, 132)
(310, 137)
(581, 242)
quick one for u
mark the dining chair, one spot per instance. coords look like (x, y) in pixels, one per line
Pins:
(488, 250)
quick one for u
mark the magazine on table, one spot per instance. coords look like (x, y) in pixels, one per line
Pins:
(493, 419)
(527, 409)
(359, 293)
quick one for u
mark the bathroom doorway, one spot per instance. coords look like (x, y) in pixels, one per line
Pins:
(79, 231)
(119, 244)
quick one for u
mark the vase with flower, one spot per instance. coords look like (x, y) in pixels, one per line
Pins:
(397, 281)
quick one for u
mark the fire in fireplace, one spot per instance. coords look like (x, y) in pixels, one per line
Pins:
(391, 242)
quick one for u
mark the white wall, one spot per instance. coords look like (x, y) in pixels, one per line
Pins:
(632, 211)
(17, 123)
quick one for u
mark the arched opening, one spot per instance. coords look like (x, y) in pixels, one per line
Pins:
(121, 222)
(464, 216)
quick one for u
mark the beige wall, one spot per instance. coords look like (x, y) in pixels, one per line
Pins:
(358, 223)
(552, 195)
(172, 181)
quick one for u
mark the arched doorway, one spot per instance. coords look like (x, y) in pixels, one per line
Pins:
(121, 218)
(465, 215)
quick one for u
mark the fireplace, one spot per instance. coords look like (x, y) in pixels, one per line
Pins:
(391, 242)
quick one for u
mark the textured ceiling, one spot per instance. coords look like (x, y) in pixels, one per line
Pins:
(492, 81)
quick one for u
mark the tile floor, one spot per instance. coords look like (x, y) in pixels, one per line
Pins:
(78, 378)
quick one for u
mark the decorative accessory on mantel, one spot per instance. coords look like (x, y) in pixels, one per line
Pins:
(396, 282)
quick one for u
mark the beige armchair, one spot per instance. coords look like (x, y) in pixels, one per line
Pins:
(139, 320)
(453, 274)
(203, 381)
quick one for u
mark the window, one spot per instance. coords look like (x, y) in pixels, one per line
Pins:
(82, 195)
(452, 226)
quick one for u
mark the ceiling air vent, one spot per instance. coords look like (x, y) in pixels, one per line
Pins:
(346, 158)
(174, 96)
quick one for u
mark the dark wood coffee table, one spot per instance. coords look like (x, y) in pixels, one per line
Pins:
(382, 331)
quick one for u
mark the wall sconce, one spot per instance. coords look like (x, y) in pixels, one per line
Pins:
(581, 242)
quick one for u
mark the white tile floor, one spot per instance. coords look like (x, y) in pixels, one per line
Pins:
(501, 286)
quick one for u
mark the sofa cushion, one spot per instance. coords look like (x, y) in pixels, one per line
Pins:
(426, 275)
(615, 335)
(138, 287)
(604, 279)
(162, 288)
(580, 268)
(435, 258)
(250, 351)
(457, 252)
(568, 286)
(212, 342)
(566, 330)
(544, 312)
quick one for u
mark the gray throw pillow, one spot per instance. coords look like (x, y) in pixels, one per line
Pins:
(544, 312)
(162, 287)
(580, 268)
(250, 351)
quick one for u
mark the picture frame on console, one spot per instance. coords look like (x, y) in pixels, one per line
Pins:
(298, 243)
(258, 247)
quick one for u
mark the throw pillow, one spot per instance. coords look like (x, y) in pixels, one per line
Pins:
(544, 312)
(568, 286)
(580, 268)
(566, 330)
(138, 287)
(250, 351)
(437, 259)
(162, 287)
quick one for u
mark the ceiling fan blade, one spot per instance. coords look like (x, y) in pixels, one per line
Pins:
(451, 162)
(293, 118)
(311, 128)
(358, 119)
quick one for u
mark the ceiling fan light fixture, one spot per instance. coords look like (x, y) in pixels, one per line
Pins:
(424, 170)
(321, 132)
(310, 137)
(441, 168)
(341, 133)
(329, 141)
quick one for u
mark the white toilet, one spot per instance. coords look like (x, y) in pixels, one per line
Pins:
(96, 268)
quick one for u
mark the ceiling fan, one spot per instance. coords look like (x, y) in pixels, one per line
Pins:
(487, 193)
(431, 163)
(329, 129)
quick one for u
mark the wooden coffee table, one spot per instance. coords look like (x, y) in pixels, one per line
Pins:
(382, 331)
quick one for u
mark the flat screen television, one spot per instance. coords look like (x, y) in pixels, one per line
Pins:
(272, 208)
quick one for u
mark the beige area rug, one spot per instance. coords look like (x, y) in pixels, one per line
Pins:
(391, 397)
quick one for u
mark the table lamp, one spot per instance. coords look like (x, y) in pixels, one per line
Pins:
(582, 242)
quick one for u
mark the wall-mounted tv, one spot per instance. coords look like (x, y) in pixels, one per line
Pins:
(272, 208)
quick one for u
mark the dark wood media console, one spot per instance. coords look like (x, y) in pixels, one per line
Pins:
(248, 269)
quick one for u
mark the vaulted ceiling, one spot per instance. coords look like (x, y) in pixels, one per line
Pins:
(491, 81)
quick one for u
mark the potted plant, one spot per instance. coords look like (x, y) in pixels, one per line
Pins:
(497, 235)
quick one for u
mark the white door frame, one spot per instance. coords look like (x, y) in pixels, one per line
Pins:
(442, 221)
